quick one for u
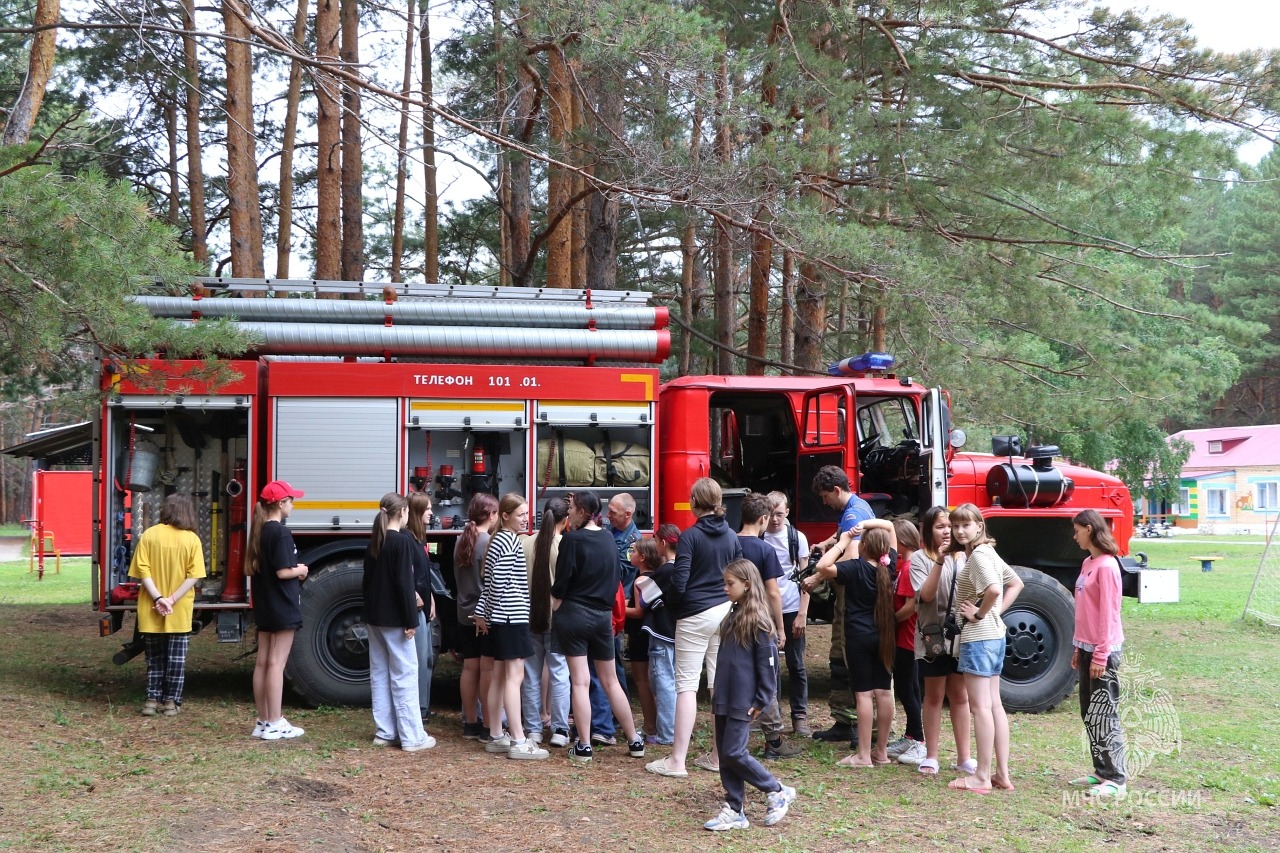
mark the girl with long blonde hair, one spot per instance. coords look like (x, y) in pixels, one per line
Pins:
(746, 681)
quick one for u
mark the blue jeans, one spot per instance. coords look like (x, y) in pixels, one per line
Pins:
(531, 689)
(662, 680)
(422, 641)
(601, 710)
(393, 682)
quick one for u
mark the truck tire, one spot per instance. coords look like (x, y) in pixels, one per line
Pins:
(1037, 663)
(329, 664)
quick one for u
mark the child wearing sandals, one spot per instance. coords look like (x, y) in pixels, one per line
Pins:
(932, 571)
(869, 627)
(1098, 638)
(746, 681)
(979, 601)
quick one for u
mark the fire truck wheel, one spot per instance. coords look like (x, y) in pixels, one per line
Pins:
(1037, 664)
(329, 663)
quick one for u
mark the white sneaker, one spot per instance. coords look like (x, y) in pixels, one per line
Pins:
(498, 745)
(382, 741)
(779, 802)
(527, 751)
(282, 730)
(913, 754)
(559, 738)
(536, 737)
(427, 743)
(728, 818)
(898, 746)
(258, 729)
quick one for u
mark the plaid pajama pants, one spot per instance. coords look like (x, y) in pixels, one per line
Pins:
(166, 666)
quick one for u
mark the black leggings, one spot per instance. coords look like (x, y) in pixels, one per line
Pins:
(906, 689)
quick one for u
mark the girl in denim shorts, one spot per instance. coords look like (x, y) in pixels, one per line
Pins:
(979, 601)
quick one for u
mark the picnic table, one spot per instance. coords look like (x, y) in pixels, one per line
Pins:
(1206, 563)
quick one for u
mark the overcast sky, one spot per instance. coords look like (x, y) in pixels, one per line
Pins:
(1223, 25)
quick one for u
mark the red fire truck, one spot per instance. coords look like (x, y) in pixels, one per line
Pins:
(456, 390)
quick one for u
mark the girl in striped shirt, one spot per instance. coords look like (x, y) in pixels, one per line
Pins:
(502, 617)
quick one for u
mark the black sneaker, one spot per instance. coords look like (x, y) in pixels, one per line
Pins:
(837, 732)
(580, 753)
(474, 731)
(636, 747)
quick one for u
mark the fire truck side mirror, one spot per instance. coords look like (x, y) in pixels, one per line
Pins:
(1006, 445)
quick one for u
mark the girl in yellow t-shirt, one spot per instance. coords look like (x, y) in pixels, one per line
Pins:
(168, 561)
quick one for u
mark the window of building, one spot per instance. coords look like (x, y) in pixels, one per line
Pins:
(1216, 501)
(1215, 447)
(1267, 496)
(1183, 505)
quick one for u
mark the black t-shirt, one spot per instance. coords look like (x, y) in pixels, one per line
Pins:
(858, 577)
(587, 569)
(277, 604)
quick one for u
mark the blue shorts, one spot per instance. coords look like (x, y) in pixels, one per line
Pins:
(982, 657)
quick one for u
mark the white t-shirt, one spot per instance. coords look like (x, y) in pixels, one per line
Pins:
(789, 589)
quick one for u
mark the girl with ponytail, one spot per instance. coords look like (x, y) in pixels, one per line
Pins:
(541, 552)
(468, 560)
(391, 616)
(271, 560)
(870, 626)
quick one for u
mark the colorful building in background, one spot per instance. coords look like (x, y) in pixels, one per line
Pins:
(1230, 483)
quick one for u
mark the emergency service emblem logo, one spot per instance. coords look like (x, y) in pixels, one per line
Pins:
(1147, 722)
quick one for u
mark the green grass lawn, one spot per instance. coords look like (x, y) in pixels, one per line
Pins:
(20, 585)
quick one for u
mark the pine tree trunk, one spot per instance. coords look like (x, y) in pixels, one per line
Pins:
(578, 157)
(195, 150)
(602, 208)
(506, 260)
(786, 316)
(431, 214)
(243, 203)
(559, 181)
(690, 278)
(352, 156)
(761, 241)
(726, 302)
(22, 118)
(171, 168)
(402, 150)
(328, 147)
(288, 144)
(519, 190)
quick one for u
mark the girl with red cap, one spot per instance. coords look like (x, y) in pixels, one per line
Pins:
(271, 561)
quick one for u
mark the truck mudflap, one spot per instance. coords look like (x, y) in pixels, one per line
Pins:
(1037, 664)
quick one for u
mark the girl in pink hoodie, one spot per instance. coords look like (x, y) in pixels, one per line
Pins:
(1098, 637)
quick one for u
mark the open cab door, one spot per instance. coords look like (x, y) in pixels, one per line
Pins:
(936, 436)
(826, 438)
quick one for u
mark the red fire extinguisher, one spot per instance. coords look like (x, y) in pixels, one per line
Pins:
(477, 460)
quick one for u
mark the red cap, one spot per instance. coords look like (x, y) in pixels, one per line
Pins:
(278, 490)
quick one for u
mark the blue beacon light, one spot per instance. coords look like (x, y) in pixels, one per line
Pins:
(868, 362)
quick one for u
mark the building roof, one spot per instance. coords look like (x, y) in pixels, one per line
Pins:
(1241, 447)
(59, 445)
